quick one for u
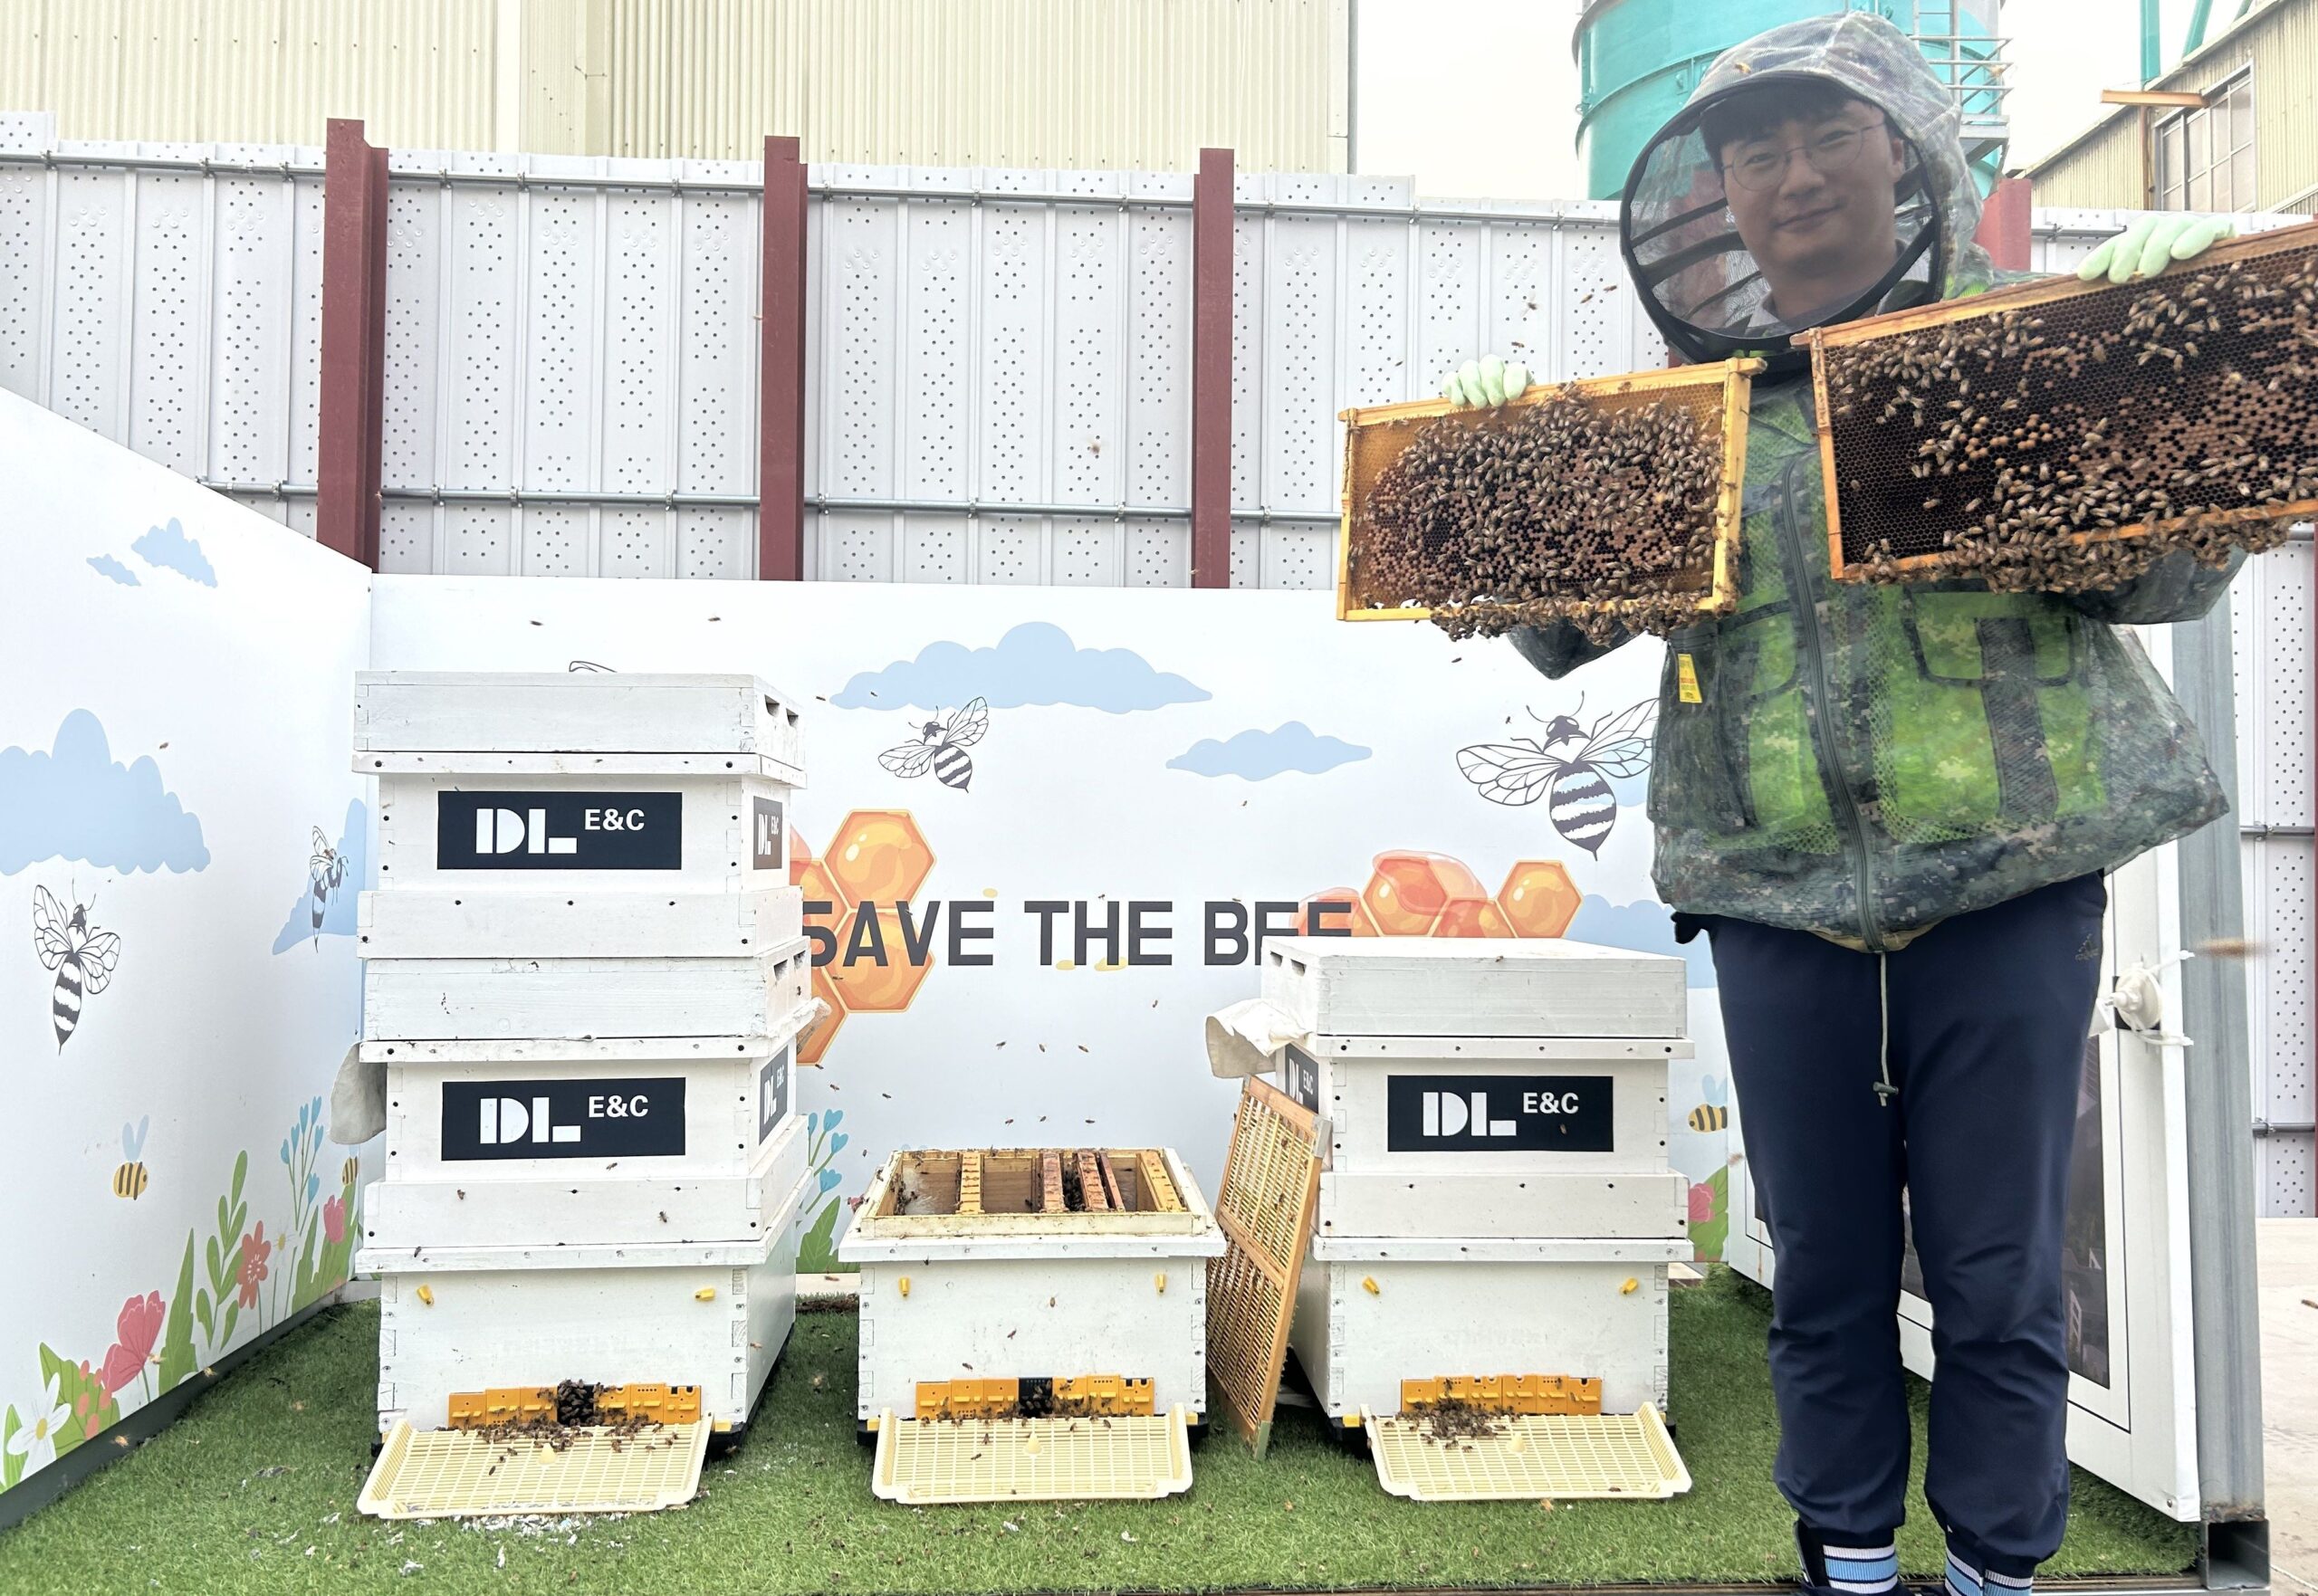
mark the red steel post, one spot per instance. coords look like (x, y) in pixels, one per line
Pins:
(2005, 224)
(1211, 370)
(780, 373)
(351, 427)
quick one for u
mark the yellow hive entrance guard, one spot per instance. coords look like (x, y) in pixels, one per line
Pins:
(589, 1468)
(1527, 1456)
(1135, 1458)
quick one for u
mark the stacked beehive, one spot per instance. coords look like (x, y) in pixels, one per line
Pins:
(1496, 1214)
(587, 978)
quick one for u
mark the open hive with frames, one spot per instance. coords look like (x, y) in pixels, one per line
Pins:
(1611, 502)
(2062, 436)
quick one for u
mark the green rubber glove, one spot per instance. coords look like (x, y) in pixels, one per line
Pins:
(2152, 244)
(1486, 384)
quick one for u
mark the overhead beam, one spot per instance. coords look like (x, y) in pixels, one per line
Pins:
(2183, 98)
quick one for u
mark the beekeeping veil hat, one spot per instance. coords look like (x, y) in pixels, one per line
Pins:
(1700, 283)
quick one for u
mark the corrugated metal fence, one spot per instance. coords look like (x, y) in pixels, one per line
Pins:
(999, 371)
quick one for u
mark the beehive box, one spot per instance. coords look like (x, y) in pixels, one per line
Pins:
(1491, 1136)
(2059, 435)
(463, 1319)
(1434, 987)
(1372, 1312)
(690, 1109)
(514, 999)
(975, 1266)
(1573, 543)
(699, 1143)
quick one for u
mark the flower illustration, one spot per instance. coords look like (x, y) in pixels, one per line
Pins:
(37, 1442)
(334, 1220)
(255, 1250)
(92, 1396)
(1701, 1204)
(140, 1327)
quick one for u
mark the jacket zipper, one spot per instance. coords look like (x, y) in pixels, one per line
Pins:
(1804, 592)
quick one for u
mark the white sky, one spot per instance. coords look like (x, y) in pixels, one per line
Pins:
(1479, 98)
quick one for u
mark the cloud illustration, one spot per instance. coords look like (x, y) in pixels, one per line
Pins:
(1645, 927)
(1035, 664)
(338, 909)
(168, 547)
(105, 565)
(1258, 756)
(76, 802)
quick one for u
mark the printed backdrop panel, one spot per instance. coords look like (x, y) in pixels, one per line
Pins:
(181, 842)
(1043, 831)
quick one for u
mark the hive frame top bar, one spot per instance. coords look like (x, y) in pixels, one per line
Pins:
(1735, 379)
(2044, 290)
(1188, 1231)
(1997, 301)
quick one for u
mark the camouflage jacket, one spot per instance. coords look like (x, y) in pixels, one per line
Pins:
(1864, 761)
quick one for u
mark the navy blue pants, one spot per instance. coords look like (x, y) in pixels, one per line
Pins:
(1988, 1014)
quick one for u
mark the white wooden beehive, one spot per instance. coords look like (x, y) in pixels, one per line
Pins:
(421, 922)
(1459, 986)
(715, 1315)
(579, 782)
(516, 999)
(1370, 1313)
(1033, 1295)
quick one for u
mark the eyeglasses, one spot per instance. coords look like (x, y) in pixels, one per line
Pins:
(1828, 154)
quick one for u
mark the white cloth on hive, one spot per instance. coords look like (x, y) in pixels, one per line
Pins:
(358, 1099)
(1247, 1038)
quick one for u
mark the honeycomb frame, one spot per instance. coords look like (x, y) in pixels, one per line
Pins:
(1376, 434)
(1840, 436)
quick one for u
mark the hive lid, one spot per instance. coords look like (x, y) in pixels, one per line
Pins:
(1126, 1458)
(521, 722)
(1459, 986)
(1532, 1456)
(592, 1468)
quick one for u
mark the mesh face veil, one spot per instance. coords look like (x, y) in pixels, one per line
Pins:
(1819, 161)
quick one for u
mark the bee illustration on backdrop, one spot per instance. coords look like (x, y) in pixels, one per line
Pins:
(350, 1168)
(1711, 1115)
(83, 957)
(1570, 766)
(583, 666)
(940, 747)
(328, 869)
(128, 1180)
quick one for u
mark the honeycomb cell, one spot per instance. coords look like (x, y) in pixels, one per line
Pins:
(868, 986)
(880, 857)
(799, 855)
(1538, 898)
(1410, 890)
(817, 1041)
(1359, 922)
(1472, 917)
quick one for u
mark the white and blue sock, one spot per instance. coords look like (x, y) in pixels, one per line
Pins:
(1964, 1580)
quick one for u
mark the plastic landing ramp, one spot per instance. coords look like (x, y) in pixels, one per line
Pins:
(1138, 1458)
(590, 1468)
(1538, 1457)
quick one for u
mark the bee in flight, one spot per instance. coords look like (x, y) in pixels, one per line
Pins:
(128, 1180)
(1711, 1115)
(83, 959)
(350, 1168)
(1570, 766)
(941, 746)
(328, 868)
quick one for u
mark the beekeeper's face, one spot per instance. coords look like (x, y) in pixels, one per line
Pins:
(1815, 196)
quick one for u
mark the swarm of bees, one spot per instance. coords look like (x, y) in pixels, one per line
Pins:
(1558, 510)
(2068, 446)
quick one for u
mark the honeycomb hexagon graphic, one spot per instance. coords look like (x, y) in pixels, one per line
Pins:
(1355, 914)
(878, 856)
(1411, 890)
(1468, 917)
(1538, 898)
(868, 986)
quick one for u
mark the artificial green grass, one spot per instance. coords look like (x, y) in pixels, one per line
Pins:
(253, 1490)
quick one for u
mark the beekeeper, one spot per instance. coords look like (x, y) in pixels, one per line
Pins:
(1891, 809)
